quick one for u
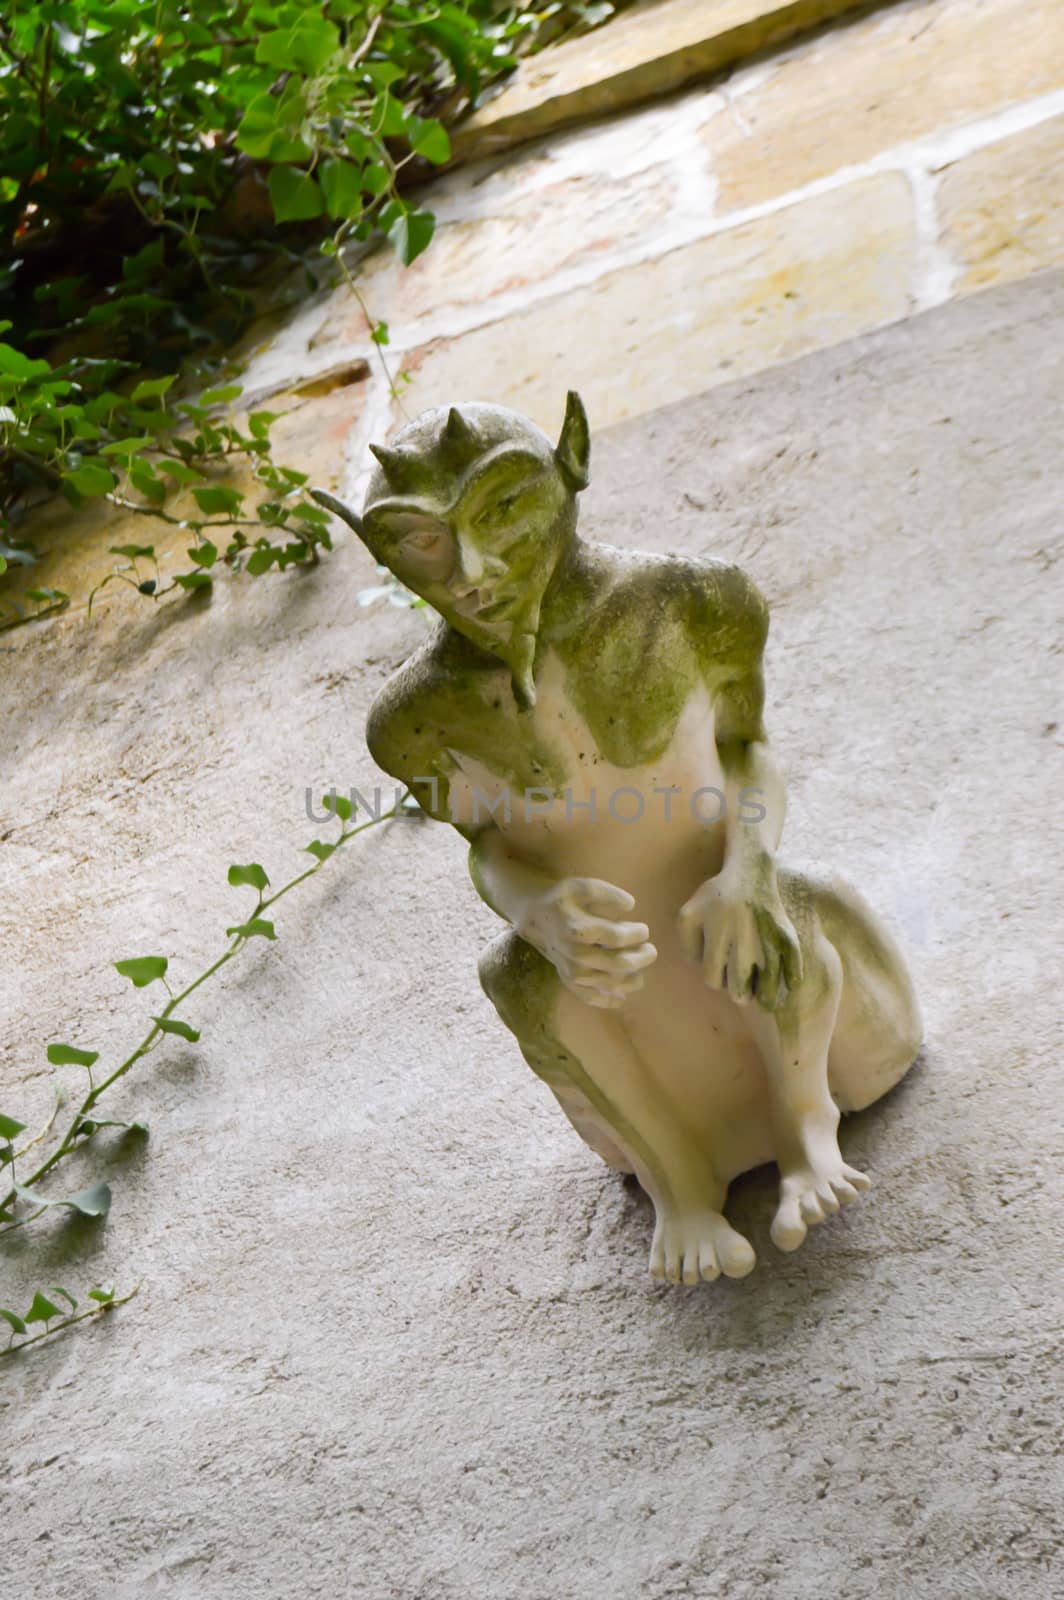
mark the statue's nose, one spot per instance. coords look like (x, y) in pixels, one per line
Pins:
(472, 563)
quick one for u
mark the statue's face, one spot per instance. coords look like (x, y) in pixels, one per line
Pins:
(474, 524)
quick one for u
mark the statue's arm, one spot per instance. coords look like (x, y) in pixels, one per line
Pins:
(735, 924)
(573, 922)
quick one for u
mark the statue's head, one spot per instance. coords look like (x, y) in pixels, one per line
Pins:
(472, 508)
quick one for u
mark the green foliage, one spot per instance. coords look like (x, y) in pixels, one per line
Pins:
(83, 1127)
(252, 874)
(154, 154)
(95, 1201)
(142, 970)
(68, 1055)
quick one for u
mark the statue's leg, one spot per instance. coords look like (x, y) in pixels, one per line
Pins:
(618, 1108)
(851, 1023)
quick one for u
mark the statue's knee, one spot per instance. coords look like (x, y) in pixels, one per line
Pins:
(516, 980)
(495, 970)
(822, 974)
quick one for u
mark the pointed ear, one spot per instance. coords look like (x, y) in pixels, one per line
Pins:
(574, 446)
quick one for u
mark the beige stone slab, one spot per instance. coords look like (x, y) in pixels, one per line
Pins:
(805, 277)
(1002, 209)
(508, 237)
(645, 52)
(878, 82)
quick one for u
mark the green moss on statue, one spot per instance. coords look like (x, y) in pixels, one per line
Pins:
(695, 1010)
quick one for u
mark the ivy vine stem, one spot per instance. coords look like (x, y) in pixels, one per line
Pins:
(70, 1139)
(68, 1322)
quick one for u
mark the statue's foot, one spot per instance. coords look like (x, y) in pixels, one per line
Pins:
(811, 1192)
(690, 1245)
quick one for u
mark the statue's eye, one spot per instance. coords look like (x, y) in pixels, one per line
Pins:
(497, 508)
(428, 539)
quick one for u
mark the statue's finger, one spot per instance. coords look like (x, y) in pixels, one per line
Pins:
(590, 958)
(606, 996)
(608, 935)
(715, 961)
(748, 958)
(690, 929)
(600, 1000)
(768, 979)
(602, 898)
(791, 961)
(739, 975)
(608, 983)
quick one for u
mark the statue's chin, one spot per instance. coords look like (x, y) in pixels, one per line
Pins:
(488, 633)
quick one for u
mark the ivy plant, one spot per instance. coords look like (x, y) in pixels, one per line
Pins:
(154, 155)
(23, 1198)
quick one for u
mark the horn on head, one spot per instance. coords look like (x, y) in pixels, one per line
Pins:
(393, 463)
(456, 428)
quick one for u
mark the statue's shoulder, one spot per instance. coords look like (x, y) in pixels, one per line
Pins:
(402, 723)
(714, 600)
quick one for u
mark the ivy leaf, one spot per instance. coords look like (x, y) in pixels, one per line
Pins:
(90, 479)
(9, 1128)
(42, 1309)
(94, 1201)
(295, 196)
(143, 477)
(142, 970)
(317, 848)
(337, 804)
(389, 115)
(127, 447)
(411, 233)
(376, 179)
(258, 126)
(68, 1055)
(152, 389)
(102, 1297)
(306, 47)
(259, 423)
(261, 560)
(67, 1296)
(174, 1025)
(133, 551)
(14, 364)
(252, 874)
(193, 580)
(428, 138)
(205, 554)
(258, 926)
(16, 1324)
(181, 472)
(216, 397)
(342, 186)
(214, 497)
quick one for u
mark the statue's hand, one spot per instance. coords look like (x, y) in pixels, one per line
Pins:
(741, 934)
(575, 925)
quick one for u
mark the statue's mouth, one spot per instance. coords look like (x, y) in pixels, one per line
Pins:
(483, 605)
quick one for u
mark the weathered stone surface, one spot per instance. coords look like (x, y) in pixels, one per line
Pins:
(647, 51)
(1002, 209)
(878, 82)
(809, 275)
(510, 235)
(394, 1338)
